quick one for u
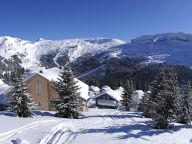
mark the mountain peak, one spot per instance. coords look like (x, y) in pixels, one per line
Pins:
(40, 39)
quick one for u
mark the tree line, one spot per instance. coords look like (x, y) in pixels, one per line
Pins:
(165, 101)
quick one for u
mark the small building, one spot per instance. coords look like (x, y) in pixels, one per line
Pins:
(42, 91)
(108, 98)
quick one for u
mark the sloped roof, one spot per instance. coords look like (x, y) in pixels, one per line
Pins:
(52, 74)
(115, 94)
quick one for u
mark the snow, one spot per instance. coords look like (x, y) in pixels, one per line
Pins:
(157, 58)
(99, 126)
(115, 94)
(138, 94)
(52, 74)
(172, 48)
(93, 91)
(31, 52)
(1, 82)
(24, 49)
(94, 88)
(3, 89)
(136, 99)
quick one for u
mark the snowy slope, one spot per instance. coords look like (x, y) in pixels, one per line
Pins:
(172, 48)
(98, 127)
(31, 53)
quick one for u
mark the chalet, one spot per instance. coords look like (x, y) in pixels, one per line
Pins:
(108, 98)
(41, 89)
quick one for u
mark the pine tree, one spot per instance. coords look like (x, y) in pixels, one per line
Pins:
(165, 101)
(185, 105)
(69, 105)
(148, 102)
(20, 101)
(127, 94)
(145, 105)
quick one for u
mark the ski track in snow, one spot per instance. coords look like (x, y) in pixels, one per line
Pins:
(67, 131)
(57, 132)
(6, 135)
(98, 126)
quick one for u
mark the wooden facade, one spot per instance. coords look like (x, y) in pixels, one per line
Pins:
(43, 93)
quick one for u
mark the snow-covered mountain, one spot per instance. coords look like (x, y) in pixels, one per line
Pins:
(172, 48)
(43, 52)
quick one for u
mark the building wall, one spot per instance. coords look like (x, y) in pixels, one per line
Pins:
(106, 97)
(47, 93)
(43, 99)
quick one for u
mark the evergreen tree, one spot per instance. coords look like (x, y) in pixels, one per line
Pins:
(145, 105)
(185, 105)
(165, 101)
(127, 94)
(148, 102)
(69, 106)
(20, 101)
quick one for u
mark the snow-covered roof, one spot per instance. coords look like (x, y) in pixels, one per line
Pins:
(105, 88)
(116, 94)
(94, 88)
(52, 74)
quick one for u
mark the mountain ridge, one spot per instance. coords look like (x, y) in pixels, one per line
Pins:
(171, 48)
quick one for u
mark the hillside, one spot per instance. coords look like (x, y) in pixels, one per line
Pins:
(49, 53)
(97, 57)
(172, 48)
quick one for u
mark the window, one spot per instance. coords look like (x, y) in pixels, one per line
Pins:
(38, 89)
(39, 104)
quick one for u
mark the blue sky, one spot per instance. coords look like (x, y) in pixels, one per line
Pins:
(123, 19)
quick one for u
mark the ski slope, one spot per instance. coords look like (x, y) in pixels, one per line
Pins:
(98, 126)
